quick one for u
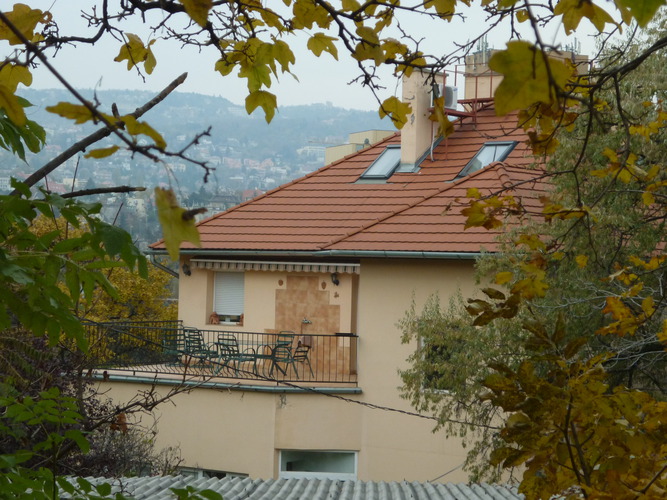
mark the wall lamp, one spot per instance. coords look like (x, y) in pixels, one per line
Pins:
(334, 279)
(186, 269)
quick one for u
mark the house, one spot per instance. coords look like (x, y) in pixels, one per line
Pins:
(334, 259)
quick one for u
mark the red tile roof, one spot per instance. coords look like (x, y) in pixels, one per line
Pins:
(328, 210)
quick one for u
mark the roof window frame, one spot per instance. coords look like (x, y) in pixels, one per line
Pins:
(368, 174)
(468, 169)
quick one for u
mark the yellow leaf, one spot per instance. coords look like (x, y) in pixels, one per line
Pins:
(445, 8)
(176, 226)
(582, 260)
(574, 10)
(13, 74)
(135, 127)
(102, 152)
(198, 10)
(25, 20)
(504, 277)
(135, 52)
(662, 335)
(77, 112)
(445, 127)
(525, 77)
(266, 100)
(368, 35)
(367, 51)
(283, 54)
(150, 62)
(648, 198)
(224, 66)
(320, 42)
(522, 15)
(10, 103)
(395, 109)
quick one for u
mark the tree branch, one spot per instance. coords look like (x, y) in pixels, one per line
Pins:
(96, 136)
(116, 189)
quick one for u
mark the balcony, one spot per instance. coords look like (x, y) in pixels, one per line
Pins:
(171, 351)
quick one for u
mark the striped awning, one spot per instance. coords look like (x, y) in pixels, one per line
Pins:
(249, 265)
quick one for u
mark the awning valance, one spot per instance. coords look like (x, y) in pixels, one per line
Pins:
(249, 265)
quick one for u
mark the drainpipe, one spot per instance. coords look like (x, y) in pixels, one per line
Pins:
(162, 267)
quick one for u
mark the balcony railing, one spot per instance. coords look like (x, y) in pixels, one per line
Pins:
(172, 349)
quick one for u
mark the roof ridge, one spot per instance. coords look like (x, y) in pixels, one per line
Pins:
(293, 181)
(496, 166)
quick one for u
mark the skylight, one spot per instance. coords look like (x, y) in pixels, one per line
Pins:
(384, 165)
(490, 152)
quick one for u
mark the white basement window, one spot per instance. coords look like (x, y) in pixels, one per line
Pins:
(228, 297)
(490, 152)
(384, 165)
(302, 464)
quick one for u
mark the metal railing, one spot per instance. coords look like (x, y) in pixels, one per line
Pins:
(170, 348)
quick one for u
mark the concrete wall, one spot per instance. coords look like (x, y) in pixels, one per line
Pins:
(243, 431)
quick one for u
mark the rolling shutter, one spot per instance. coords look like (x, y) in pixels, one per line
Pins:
(228, 296)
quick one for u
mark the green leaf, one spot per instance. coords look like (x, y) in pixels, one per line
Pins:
(79, 439)
(210, 495)
(103, 489)
(642, 10)
(494, 294)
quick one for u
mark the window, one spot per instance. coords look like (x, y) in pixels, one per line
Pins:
(384, 165)
(228, 297)
(318, 464)
(490, 152)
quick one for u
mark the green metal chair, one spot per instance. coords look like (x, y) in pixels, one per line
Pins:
(196, 347)
(230, 354)
(301, 356)
(173, 345)
(281, 352)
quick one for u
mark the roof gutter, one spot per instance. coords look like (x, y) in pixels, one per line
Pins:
(378, 254)
(154, 380)
(160, 266)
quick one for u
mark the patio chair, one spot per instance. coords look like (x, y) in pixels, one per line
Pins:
(230, 354)
(301, 356)
(173, 345)
(196, 347)
(286, 355)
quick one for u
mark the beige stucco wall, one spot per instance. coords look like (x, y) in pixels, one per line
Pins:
(394, 445)
(242, 431)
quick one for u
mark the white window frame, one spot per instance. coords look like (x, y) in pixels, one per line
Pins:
(285, 474)
(472, 167)
(384, 165)
(228, 296)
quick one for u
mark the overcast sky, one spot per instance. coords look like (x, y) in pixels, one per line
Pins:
(320, 79)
